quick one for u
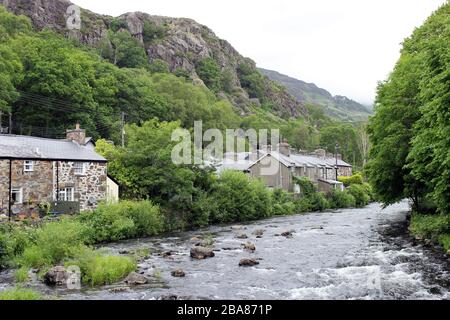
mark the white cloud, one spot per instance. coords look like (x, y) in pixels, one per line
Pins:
(345, 46)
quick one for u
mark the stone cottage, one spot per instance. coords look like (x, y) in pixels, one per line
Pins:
(36, 171)
(318, 166)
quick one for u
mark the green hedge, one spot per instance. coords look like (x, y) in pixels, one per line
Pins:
(348, 181)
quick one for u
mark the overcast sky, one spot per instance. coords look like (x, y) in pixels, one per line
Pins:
(344, 46)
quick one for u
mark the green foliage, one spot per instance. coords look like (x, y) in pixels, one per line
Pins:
(125, 51)
(346, 136)
(53, 243)
(359, 193)
(283, 203)
(97, 269)
(21, 275)
(410, 131)
(348, 181)
(153, 32)
(158, 66)
(252, 81)
(431, 227)
(341, 199)
(117, 24)
(240, 198)
(307, 188)
(13, 241)
(124, 220)
(209, 71)
(19, 294)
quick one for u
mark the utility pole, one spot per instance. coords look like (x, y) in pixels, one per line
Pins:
(122, 127)
(337, 167)
(10, 128)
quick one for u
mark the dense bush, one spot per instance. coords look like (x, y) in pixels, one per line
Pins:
(54, 242)
(124, 220)
(240, 198)
(209, 71)
(13, 241)
(341, 199)
(283, 203)
(430, 226)
(361, 197)
(313, 202)
(348, 181)
(19, 294)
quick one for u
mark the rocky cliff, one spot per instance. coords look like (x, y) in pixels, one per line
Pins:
(182, 44)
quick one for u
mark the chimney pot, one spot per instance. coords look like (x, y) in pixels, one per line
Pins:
(78, 135)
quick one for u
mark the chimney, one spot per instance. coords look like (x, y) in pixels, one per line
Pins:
(78, 135)
(284, 148)
(339, 156)
(320, 153)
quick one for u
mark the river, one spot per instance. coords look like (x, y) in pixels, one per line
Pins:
(346, 254)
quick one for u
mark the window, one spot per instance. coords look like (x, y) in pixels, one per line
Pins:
(79, 168)
(17, 195)
(66, 194)
(28, 166)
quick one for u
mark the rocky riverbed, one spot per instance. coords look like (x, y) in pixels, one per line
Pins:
(347, 254)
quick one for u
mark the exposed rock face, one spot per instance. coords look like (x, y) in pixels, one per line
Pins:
(135, 279)
(201, 253)
(56, 276)
(185, 43)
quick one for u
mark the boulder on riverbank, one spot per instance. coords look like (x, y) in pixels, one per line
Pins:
(201, 253)
(135, 279)
(56, 276)
(248, 263)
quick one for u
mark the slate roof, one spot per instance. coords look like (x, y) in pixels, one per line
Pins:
(34, 148)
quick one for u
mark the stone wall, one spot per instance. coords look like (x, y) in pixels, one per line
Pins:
(40, 185)
(92, 184)
(36, 185)
(345, 171)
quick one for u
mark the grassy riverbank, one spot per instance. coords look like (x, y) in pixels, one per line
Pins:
(431, 228)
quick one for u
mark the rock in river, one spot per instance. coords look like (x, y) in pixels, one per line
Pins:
(178, 273)
(241, 236)
(56, 276)
(201, 253)
(136, 279)
(259, 233)
(249, 246)
(248, 263)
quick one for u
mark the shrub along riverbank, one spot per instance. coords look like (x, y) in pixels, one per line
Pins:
(433, 229)
(69, 240)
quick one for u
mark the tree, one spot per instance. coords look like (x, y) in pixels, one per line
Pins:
(126, 51)
(208, 70)
(410, 131)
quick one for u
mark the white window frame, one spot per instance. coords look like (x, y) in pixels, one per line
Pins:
(67, 194)
(28, 166)
(18, 191)
(76, 169)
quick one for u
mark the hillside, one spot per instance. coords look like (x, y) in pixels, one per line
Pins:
(338, 107)
(182, 46)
